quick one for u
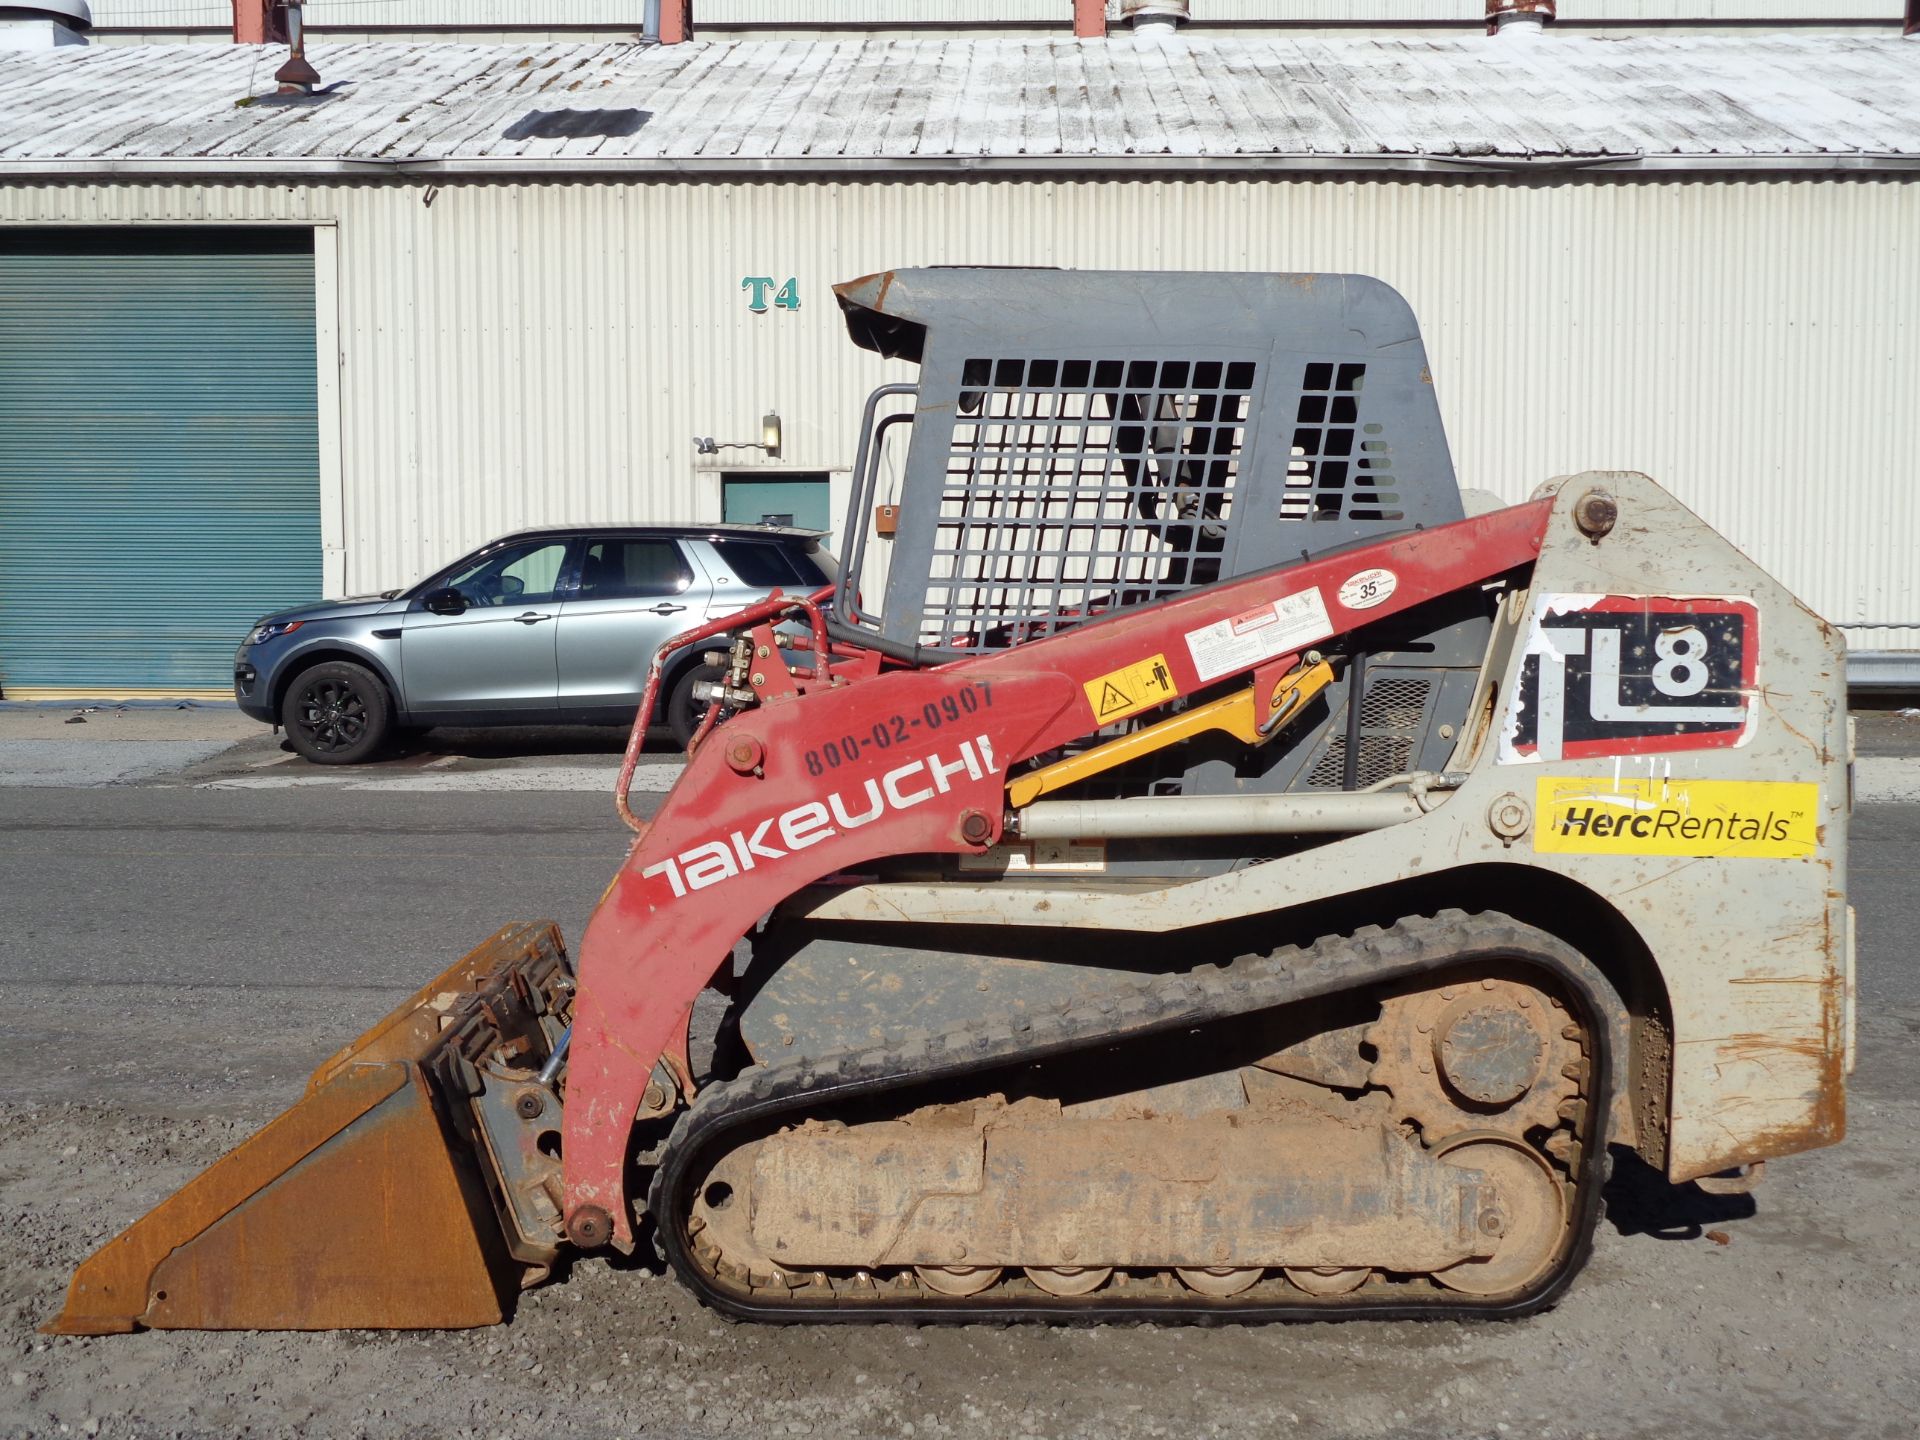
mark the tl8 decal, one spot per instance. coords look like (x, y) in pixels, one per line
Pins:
(1633, 675)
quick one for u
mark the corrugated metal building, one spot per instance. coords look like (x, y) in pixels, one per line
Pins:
(1692, 256)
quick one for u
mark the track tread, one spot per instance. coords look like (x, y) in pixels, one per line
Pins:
(1368, 956)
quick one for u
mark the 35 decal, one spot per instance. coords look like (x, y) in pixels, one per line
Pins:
(1633, 675)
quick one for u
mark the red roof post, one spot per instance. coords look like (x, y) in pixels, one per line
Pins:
(1089, 19)
(676, 21)
(250, 21)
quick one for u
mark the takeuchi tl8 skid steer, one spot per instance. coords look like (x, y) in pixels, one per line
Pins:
(1233, 873)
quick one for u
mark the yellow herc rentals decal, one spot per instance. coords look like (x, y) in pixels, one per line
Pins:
(1738, 819)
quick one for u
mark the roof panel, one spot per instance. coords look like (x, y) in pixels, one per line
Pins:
(1041, 102)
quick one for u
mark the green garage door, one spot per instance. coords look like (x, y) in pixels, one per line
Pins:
(159, 458)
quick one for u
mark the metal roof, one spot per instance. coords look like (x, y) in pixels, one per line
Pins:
(1736, 101)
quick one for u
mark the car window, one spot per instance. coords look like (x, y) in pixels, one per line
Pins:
(523, 574)
(620, 569)
(818, 558)
(757, 562)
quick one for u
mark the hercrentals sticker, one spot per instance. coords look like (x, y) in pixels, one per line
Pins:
(1736, 819)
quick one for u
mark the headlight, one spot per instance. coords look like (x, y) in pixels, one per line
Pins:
(272, 630)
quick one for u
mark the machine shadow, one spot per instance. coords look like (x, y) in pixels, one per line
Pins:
(1640, 1201)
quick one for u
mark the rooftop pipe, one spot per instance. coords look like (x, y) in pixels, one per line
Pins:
(1526, 17)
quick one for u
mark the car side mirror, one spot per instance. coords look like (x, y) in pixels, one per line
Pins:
(445, 601)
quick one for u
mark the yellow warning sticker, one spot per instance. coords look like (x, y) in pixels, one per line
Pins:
(1131, 689)
(1737, 819)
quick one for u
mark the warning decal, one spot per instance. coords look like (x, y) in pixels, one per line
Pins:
(1131, 689)
(1243, 641)
(1731, 819)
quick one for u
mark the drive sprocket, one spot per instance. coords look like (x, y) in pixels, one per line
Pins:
(1479, 1053)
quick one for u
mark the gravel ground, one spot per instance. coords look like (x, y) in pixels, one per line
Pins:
(1788, 1314)
(143, 1038)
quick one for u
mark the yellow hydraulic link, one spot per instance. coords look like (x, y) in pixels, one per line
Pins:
(1239, 714)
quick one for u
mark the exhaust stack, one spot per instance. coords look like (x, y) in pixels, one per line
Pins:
(1155, 18)
(1522, 17)
(44, 24)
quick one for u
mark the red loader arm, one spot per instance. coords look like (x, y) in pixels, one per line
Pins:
(831, 777)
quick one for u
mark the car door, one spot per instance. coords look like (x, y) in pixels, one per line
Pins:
(633, 593)
(498, 653)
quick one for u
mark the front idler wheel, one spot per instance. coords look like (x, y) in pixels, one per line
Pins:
(1531, 1215)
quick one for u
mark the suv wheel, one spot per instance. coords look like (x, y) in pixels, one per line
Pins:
(337, 713)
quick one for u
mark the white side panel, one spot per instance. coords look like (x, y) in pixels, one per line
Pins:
(515, 354)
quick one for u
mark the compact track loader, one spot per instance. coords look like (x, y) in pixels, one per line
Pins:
(1229, 874)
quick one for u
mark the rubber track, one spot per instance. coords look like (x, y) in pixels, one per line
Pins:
(1370, 957)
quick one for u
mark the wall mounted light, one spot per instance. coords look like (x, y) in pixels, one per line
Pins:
(769, 440)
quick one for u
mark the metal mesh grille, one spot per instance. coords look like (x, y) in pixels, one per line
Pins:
(1392, 719)
(1339, 467)
(1380, 756)
(1394, 704)
(1078, 486)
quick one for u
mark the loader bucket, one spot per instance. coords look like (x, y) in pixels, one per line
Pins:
(375, 1202)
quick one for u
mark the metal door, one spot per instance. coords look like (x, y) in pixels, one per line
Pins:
(497, 653)
(634, 592)
(159, 453)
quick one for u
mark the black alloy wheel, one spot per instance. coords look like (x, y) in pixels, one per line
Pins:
(337, 713)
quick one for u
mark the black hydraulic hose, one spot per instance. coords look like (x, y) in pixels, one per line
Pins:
(901, 650)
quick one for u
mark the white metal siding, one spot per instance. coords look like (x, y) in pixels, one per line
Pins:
(514, 354)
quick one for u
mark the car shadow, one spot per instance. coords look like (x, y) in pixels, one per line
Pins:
(532, 742)
(1641, 1201)
(511, 743)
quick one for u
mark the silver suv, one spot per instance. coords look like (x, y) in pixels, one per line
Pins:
(542, 627)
